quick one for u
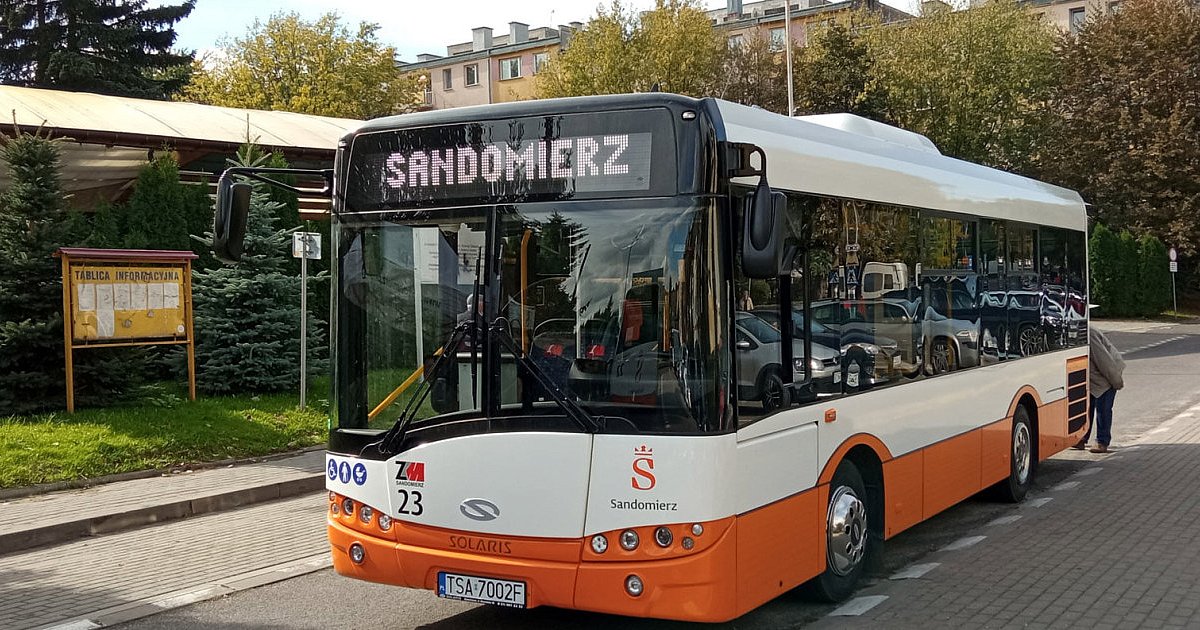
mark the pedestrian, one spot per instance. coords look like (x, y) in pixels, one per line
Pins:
(1105, 369)
(744, 302)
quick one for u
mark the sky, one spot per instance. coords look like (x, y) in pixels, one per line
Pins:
(411, 26)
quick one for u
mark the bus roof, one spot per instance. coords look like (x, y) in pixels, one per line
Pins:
(851, 157)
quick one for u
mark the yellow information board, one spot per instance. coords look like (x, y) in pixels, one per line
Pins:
(127, 303)
(126, 297)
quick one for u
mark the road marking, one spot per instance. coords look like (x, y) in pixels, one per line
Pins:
(915, 571)
(82, 624)
(1037, 503)
(1005, 520)
(963, 543)
(1066, 485)
(858, 606)
(1090, 470)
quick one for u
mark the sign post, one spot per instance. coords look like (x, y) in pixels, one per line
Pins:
(305, 245)
(126, 297)
(1173, 256)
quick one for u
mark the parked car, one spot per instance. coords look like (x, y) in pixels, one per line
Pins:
(880, 358)
(760, 375)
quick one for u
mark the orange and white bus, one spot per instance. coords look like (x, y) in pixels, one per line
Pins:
(658, 356)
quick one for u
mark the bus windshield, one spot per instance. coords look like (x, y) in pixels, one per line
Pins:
(615, 304)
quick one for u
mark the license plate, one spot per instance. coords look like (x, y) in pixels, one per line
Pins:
(837, 378)
(471, 588)
(896, 361)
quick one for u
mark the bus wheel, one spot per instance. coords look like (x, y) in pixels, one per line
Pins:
(847, 535)
(774, 394)
(1020, 475)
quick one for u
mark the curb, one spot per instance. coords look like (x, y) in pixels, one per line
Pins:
(162, 603)
(107, 523)
(76, 484)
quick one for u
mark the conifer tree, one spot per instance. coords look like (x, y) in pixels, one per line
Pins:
(247, 315)
(121, 47)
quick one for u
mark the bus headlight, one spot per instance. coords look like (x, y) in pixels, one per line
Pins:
(348, 506)
(663, 536)
(599, 543)
(385, 522)
(365, 513)
(629, 540)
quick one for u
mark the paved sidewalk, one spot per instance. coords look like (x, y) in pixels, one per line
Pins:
(1115, 546)
(56, 517)
(101, 581)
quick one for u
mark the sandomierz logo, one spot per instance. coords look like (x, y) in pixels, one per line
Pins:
(410, 474)
(643, 465)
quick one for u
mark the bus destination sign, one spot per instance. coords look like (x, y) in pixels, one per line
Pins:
(578, 156)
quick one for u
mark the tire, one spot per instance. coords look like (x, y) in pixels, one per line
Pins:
(1021, 463)
(772, 393)
(941, 356)
(848, 539)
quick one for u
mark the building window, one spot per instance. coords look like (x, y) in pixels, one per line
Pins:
(1077, 19)
(447, 79)
(736, 41)
(778, 38)
(1113, 7)
(510, 68)
(472, 74)
(539, 61)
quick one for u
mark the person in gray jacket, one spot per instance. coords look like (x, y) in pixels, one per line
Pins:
(1105, 369)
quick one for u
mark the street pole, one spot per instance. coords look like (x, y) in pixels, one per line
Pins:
(304, 324)
(787, 46)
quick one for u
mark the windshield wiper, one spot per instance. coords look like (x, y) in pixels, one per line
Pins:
(395, 435)
(581, 417)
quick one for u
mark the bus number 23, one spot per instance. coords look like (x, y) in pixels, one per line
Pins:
(410, 502)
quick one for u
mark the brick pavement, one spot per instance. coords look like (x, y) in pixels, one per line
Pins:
(113, 572)
(58, 516)
(1116, 546)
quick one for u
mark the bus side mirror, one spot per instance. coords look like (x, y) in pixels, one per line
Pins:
(762, 233)
(229, 224)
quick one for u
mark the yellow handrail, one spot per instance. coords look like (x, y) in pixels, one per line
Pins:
(391, 398)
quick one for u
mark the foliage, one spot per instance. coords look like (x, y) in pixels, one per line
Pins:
(1103, 251)
(1153, 294)
(247, 315)
(672, 45)
(120, 48)
(322, 67)
(1128, 134)
(976, 82)
(755, 74)
(162, 429)
(33, 225)
(834, 73)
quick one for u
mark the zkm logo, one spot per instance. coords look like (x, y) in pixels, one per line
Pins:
(410, 474)
(643, 467)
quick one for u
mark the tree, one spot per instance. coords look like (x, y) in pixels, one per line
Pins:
(619, 51)
(119, 47)
(976, 82)
(835, 73)
(755, 74)
(247, 315)
(1128, 133)
(1153, 294)
(1103, 251)
(294, 65)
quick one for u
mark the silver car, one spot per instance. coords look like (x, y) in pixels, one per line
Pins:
(760, 375)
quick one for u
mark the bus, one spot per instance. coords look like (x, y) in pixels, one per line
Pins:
(563, 369)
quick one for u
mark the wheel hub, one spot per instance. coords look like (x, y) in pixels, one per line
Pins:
(1022, 453)
(847, 531)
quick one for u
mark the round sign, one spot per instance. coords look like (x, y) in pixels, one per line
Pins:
(1171, 254)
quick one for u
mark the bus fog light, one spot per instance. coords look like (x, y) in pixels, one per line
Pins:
(357, 553)
(599, 543)
(348, 506)
(385, 522)
(633, 585)
(365, 513)
(688, 543)
(663, 536)
(697, 529)
(629, 540)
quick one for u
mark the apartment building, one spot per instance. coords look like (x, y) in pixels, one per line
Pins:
(1070, 15)
(489, 68)
(766, 18)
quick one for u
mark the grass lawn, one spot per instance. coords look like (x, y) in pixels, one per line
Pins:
(166, 430)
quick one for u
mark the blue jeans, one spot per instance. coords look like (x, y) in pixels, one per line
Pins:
(1100, 417)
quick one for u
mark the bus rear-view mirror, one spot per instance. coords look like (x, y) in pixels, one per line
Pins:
(229, 224)
(762, 233)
